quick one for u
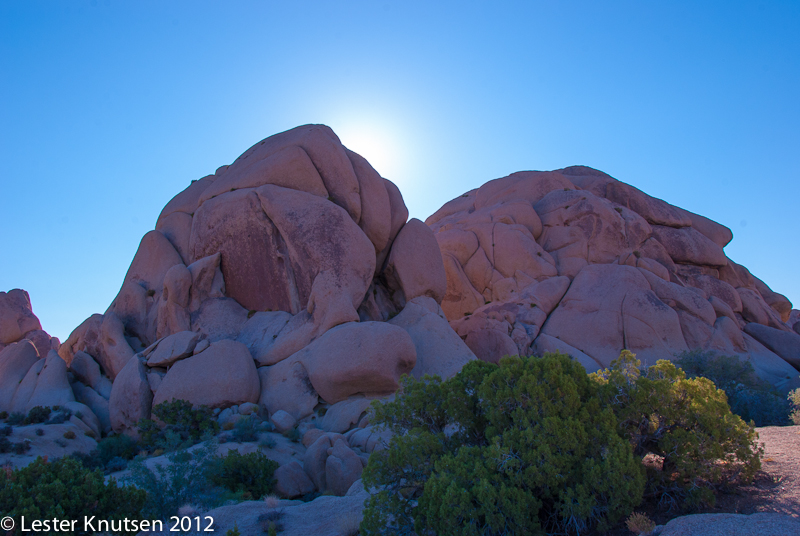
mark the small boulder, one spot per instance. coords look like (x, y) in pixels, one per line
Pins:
(341, 416)
(173, 348)
(342, 468)
(291, 481)
(282, 421)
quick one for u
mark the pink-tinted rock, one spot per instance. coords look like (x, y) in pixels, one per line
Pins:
(16, 316)
(461, 297)
(94, 401)
(719, 234)
(261, 330)
(254, 258)
(342, 468)
(784, 343)
(207, 281)
(221, 376)
(332, 270)
(684, 298)
(114, 348)
(315, 457)
(326, 153)
(85, 337)
(490, 345)
(287, 387)
(376, 219)
(415, 263)
(173, 348)
(154, 257)
(130, 399)
(654, 210)
(177, 227)
(15, 362)
(530, 186)
(343, 415)
(282, 421)
(768, 365)
(690, 246)
(610, 307)
(42, 341)
(86, 370)
(357, 358)
(219, 318)
(778, 302)
(545, 343)
(188, 200)
(289, 167)
(291, 481)
(440, 351)
(755, 309)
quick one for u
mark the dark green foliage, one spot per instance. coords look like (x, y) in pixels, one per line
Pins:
(686, 423)
(59, 416)
(39, 432)
(184, 480)
(750, 397)
(112, 454)
(69, 434)
(520, 448)
(3, 415)
(22, 447)
(234, 531)
(37, 415)
(183, 426)
(64, 489)
(292, 435)
(246, 429)
(251, 474)
(794, 400)
(16, 418)
(6, 430)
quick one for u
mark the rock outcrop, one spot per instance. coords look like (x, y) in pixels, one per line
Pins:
(577, 261)
(272, 281)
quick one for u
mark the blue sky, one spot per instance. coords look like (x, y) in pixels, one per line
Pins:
(109, 108)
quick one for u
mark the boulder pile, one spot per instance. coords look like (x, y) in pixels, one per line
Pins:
(577, 261)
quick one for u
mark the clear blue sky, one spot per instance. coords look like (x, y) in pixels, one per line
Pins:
(109, 108)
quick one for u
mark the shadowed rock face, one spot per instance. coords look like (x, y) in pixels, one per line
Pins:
(578, 261)
(297, 238)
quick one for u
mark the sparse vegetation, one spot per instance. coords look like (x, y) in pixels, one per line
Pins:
(640, 524)
(37, 415)
(16, 418)
(794, 400)
(250, 474)
(246, 429)
(183, 426)
(69, 434)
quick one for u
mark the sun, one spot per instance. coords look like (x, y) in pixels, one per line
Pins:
(375, 143)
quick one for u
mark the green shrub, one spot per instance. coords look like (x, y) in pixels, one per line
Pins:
(37, 415)
(686, 423)
(794, 399)
(64, 489)
(250, 474)
(292, 434)
(116, 446)
(16, 418)
(246, 429)
(183, 426)
(69, 434)
(3, 415)
(234, 531)
(61, 415)
(183, 480)
(520, 448)
(749, 397)
(6, 430)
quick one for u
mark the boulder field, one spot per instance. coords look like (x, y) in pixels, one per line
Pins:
(292, 281)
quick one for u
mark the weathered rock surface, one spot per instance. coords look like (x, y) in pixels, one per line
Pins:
(635, 272)
(763, 524)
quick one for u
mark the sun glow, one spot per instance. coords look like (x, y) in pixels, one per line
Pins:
(376, 144)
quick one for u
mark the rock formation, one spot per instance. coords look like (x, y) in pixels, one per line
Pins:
(577, 261)
(290, 278)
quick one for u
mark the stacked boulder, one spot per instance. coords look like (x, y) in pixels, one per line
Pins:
(31, 371)
(577, 261)
(290, 278)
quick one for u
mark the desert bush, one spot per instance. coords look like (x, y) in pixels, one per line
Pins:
(749, 397)
(794, 400)
(246, 429)
(250, 474)
(293, 434)
(183, 426)
(6, 431)
(69, 434)
(37, 415)
(64, 489)
(685, 422)
(270, 522)
(184, 479)
(3, 415)
(640, 524)
(520, 448)
(16, 418)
